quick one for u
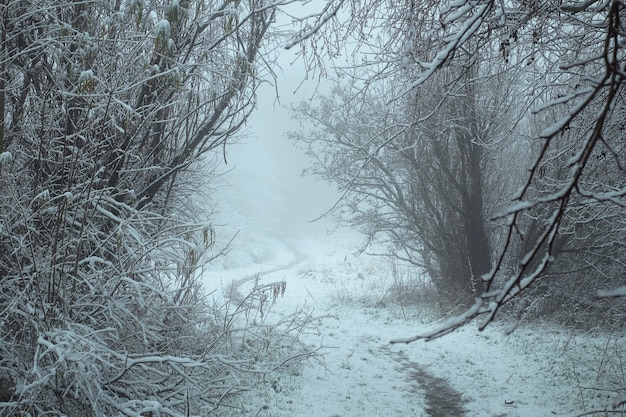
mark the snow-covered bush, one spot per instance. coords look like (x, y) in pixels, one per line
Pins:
(109, 110)
(597, 368)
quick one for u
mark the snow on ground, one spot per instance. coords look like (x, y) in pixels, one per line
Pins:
(539, 371)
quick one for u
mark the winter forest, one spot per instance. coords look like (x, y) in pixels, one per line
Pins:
(473, 254)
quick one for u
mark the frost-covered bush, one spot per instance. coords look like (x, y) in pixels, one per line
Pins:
(214, 355)
(108, 110)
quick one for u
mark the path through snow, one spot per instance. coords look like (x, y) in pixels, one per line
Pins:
(527, 374)
(442, 400)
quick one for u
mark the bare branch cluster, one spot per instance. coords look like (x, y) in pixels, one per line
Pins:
(110, 113)
(546, 80)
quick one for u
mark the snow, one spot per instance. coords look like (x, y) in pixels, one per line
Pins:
(461, 10)
(615, 292)
(163, 28)
(86, 76)
(537, 370)
(311, 30)
(5, 157)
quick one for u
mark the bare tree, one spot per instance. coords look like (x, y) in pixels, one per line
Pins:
(569, 58)
(416, 171)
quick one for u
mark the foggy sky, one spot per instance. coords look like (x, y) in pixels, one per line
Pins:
(265, 181)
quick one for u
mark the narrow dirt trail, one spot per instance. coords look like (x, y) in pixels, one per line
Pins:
(234, 290)
(362, 375)
(442, 400)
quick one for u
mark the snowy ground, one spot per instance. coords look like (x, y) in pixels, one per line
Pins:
(539, 371)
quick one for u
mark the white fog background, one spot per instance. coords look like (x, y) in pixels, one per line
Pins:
(262, 190)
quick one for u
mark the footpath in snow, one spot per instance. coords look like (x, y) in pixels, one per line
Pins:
(534, 372)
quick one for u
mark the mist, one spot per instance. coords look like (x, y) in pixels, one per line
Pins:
(264, 190)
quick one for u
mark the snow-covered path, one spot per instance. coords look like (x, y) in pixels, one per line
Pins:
(527, 374)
